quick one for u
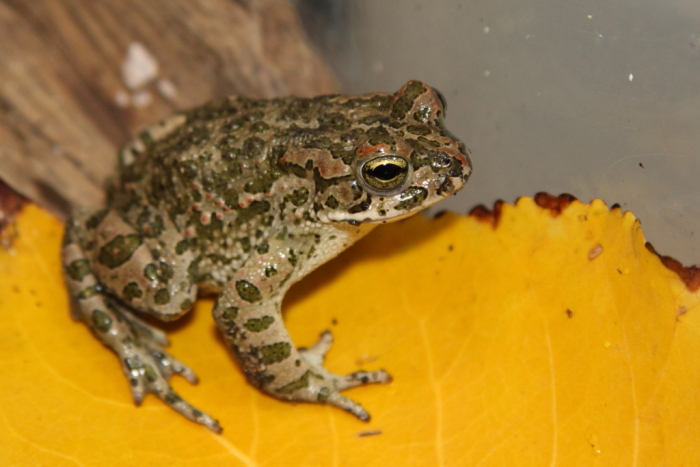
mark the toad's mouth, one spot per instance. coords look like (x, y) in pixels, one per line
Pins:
(382, 212)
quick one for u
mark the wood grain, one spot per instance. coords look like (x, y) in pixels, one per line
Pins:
(61, 84)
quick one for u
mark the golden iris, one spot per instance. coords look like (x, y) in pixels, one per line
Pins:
(385, 173)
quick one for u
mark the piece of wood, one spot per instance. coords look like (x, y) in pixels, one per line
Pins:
(65, 107)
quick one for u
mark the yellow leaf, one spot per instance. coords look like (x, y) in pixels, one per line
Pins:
(547, 340)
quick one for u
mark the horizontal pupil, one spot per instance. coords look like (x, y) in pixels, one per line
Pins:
(386, 172)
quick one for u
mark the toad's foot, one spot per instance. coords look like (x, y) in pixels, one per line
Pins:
(139, 346)
(148, 368)
(326, 386)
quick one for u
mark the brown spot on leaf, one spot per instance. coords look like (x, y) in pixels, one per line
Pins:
(595, 251)
(364, 434)
(483, 214)
(556, 204)
(690, 275)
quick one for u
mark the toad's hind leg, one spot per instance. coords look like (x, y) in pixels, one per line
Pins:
(138, 345)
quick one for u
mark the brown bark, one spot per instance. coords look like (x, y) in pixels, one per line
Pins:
(65, 107)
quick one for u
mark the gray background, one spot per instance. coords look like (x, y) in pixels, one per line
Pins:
(558, 96)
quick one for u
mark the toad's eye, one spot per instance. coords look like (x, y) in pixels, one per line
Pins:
(385, 173)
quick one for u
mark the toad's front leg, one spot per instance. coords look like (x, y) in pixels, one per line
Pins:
(248, 313)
